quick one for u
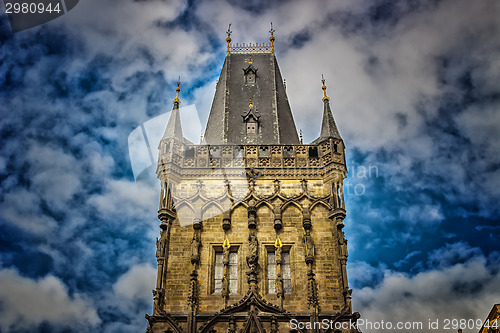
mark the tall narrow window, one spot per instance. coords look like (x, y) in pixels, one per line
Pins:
(218, 271)
(287, 275)
(232, 272)
(272, 271)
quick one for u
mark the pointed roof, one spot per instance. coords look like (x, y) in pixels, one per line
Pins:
(237, 84)
(225, 122)
(328, 127)
(174, 127)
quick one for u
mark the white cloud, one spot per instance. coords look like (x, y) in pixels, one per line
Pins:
(125, 198)
(130, 296)
(136, 284)
(21, 208)
(27, 303)
(464, 290)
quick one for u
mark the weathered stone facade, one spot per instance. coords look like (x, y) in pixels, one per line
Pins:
(277, 208)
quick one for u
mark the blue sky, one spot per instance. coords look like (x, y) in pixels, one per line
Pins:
(414, 91)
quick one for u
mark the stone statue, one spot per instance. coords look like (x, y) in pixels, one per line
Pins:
(195, 248)
(160, 244)
(344, 249)
(279, 285)
(347, 295)
(343, 244)
(277, 254)
(225, 286)
(309, 245)
(225, 255)
(253, 257)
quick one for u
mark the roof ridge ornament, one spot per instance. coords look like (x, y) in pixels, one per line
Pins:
(272, 39)
(325, 97)
(177, 90)
(228, 39)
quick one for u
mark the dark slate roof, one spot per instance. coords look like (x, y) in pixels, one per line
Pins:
(328, 127)
(231, 103)
(174, 127)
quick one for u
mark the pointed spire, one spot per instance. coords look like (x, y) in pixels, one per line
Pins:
(328, 127)
(228, 39)
(174, 127)
(272, 39)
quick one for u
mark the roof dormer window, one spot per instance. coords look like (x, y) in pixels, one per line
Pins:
(251, 120)
(250, 74)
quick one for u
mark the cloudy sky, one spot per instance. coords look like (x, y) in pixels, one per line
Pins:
(415, 93)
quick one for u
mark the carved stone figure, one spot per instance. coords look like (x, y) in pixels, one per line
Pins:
(253, 257)
(160, 244)
(279, 285)
(344, 249)
(347, 295)
(225, 255)
(195, 249)
(309, 245)
(277, 186)
(277, 254)
(225, 286)
(343, 244)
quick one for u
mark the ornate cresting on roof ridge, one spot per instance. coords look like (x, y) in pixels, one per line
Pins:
(250, 48)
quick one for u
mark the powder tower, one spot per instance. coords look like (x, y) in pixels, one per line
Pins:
(251, 234)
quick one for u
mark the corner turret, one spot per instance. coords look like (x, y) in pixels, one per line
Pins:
(328, 127)
(174, 127)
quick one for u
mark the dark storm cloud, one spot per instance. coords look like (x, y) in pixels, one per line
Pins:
(70, 213)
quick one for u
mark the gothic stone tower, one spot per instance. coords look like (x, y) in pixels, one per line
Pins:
(251, 233)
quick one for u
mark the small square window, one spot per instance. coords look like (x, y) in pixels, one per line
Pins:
(251, 127)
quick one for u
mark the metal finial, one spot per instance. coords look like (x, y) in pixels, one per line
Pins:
(324, 88)
(250, 105)
(284, 83)
(272, 39)
(178, 89)
(301, 139)
(228, 39)
(201, 136)
(250, 60)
